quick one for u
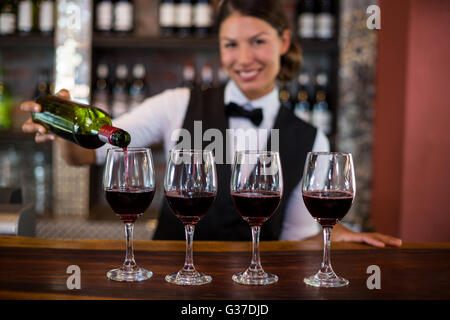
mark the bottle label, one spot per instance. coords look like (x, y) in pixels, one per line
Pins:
(123, 16)
(46, 16)
(167, 15)
(324, 26)
(183, 15)
(7, 23)
(306, 25)
(25, 11)
(105, 133)
(202, 15)
(104, 19)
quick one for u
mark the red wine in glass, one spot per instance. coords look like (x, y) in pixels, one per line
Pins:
(328, 207)
(190, 206)
(129, 203)
(256, 207)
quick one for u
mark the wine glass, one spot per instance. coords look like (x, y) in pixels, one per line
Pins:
(129, 184)
(190, 186)
(256, 190)
(328, 191)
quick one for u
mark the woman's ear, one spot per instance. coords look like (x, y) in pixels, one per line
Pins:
(285, 41)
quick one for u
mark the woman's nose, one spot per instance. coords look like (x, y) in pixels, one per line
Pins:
(245, 55)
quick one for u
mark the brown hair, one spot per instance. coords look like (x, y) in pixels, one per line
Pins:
(273, 13)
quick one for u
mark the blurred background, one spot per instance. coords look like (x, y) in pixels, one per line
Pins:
(380, 93)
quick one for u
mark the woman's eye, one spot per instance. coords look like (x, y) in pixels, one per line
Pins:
(259, 41)
(229, 45)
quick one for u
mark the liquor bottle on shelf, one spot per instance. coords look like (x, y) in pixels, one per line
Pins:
(7, 18)
(285, 97)
(82, 124)
(183, 18)
(222, 76)
(138, 88)
(104, 13)
(46, 16)
(306, 17)
(42, 176)
(120, 92)
(101, 94)
(188, 76)
(324, 20)
(123, 16)
(25, 17)
(207, 76)
(43, 86)
(167, 17)
(202, 18)
(303, 107)
(6, 104)
(321, 115)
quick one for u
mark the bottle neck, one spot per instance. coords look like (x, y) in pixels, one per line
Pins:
(114, 136)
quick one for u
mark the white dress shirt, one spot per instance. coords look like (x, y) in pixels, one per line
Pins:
(159, 116)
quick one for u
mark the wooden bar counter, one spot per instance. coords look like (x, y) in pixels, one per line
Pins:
(32, 268)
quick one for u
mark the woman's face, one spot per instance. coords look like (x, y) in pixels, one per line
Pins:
(250, 50)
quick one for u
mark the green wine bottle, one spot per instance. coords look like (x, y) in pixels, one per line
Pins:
(82, 124)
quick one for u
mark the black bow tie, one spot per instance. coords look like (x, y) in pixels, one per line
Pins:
(254, 115)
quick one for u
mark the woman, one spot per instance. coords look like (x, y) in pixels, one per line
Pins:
(256, 50)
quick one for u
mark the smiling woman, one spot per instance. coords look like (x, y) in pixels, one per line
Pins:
(256, 46)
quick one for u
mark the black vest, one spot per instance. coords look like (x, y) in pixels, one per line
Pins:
(222, 222)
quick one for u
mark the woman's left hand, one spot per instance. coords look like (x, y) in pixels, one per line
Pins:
(341, 233)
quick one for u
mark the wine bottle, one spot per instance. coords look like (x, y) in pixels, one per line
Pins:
(138, 88)
(102, 89)
(321, 115)
(82, 124)
(104, 15)
(324, 20)
(6, 104)
(43, 86)
(183, 18)
(124, 16)
(7, 18)
(46, 9)
(188, 76)
(25, 16)
(202, 18)
(119, 103)
(305, 21)
(167, 17)
(285, 97)
(303, 107)
(207, 76)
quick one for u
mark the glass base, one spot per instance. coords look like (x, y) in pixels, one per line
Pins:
(254, 277)
(326, 280)
(129, 275)
(188, 278)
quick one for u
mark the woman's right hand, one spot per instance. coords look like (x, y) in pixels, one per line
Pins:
(42, 135)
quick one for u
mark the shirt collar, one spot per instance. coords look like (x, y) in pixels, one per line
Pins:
(270, 103)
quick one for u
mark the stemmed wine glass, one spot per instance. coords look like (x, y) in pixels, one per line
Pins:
(129, 184)
(256, 190)
(328, 191)
(190, 186)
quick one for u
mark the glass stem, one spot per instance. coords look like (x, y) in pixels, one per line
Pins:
(255, 264)
(325, 267)
(129, 257)
(189, 261)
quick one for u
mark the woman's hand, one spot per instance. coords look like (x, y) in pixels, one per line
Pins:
(42, 135)
(341, 233)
